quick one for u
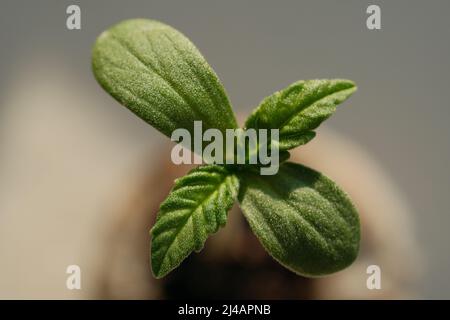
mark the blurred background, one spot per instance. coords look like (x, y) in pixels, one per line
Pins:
(81, 177)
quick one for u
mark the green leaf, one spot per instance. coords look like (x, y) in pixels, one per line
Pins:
(299, 109)
(301, 218)
(157, 73)
(196, 207)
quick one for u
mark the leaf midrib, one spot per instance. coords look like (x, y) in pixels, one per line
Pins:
(285, 122)
(147, 65)
(214, 191)
(293, 207)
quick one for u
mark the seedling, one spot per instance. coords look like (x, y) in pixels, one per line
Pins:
(302, 218)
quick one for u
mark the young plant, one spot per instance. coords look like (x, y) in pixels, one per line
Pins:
(302, 218)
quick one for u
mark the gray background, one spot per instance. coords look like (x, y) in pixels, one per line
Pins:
(400, 113)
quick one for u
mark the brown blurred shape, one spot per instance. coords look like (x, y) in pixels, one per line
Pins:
(234, 265)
